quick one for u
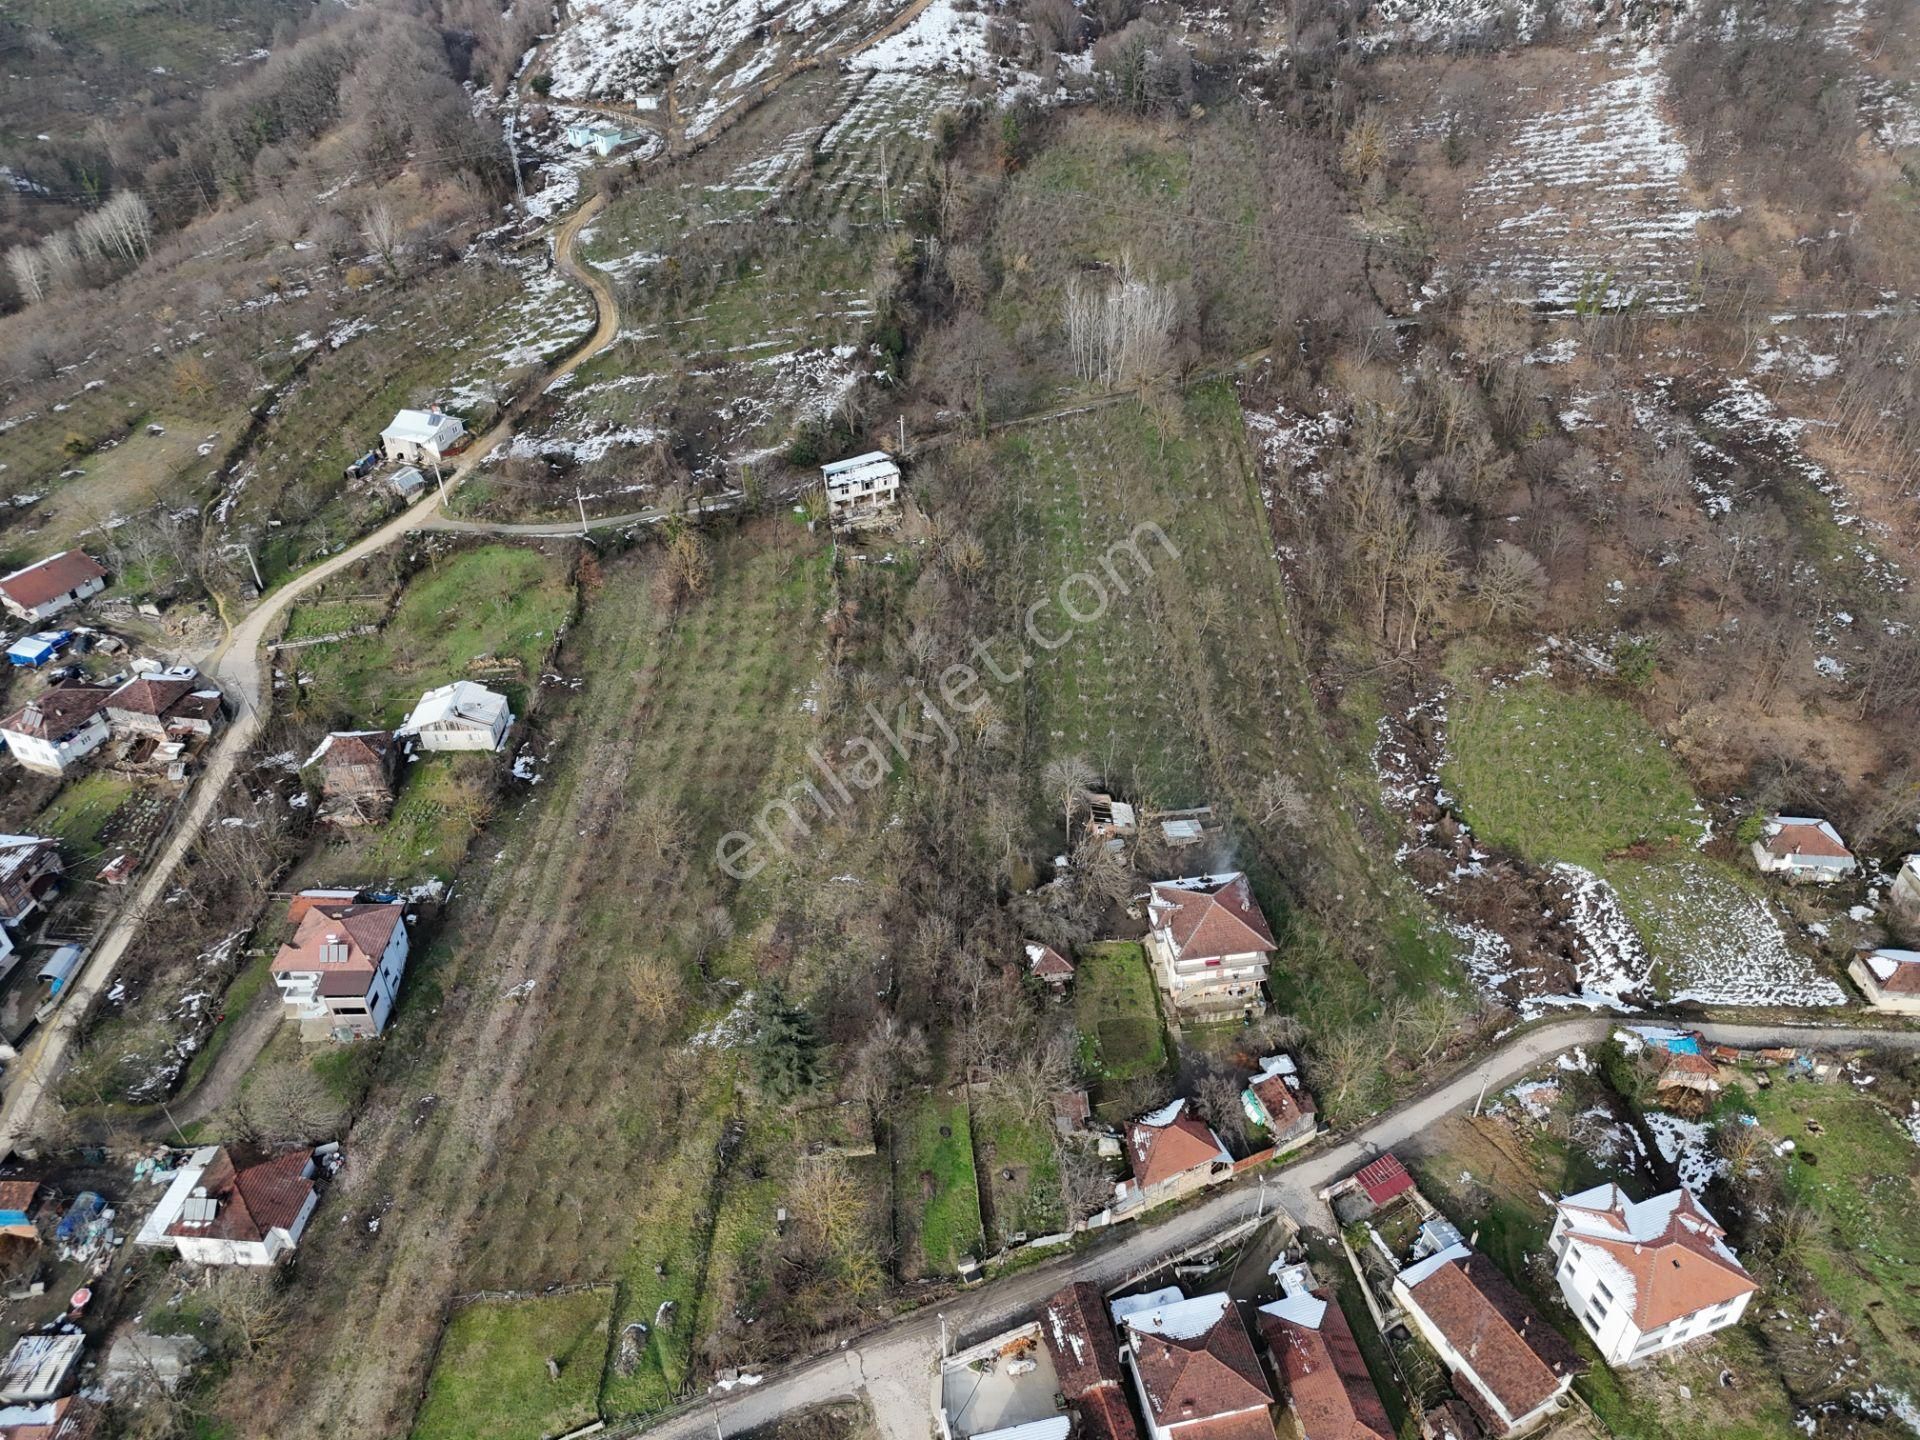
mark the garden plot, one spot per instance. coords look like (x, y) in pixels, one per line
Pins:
(880, 139)
(1587, 201)
(547, 320)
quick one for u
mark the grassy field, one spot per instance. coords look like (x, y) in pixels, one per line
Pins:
(1187, 688)
(83, 808)
(1857, 1176)
(1117, 1012)
(1560, 775)
(935, 1190)
(1019, 1177)
(500, 601)
(491, 1381)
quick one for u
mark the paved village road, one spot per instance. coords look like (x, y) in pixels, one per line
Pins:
(893, 1367)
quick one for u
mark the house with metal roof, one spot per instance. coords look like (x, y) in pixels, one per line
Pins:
(460, 716)
(340, 973)
(58, 728)
(1803, 848)
(423, 437)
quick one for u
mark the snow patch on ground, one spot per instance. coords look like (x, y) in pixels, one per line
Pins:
(1687, 1145)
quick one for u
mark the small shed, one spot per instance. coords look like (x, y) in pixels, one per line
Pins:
(39, 1367)
(1383, 1179)
(33, 651)
(61, 966)
(407, 482)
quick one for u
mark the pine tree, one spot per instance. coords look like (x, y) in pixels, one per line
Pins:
(785, 1051)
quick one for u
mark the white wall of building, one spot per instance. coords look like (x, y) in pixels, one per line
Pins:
(50, 758)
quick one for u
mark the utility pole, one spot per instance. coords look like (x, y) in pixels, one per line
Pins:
(583, 511)
(1482, 1096)
(943, 1335)
(439, 480)
(1261, 1209)
(258, 583)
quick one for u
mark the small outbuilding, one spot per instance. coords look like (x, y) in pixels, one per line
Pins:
(30, 652)
(1048, 965)
(30, 872)
(359, 771)
(460, 716)
(423, 437)
(39, 1367)
(48, 586)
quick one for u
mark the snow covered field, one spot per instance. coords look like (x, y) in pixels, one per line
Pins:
(1588, 197)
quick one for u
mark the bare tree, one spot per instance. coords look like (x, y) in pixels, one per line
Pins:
(250, 1309)
(28, 267)
(1279, 800)
(380, 227)
(1123, 336)
(1509, 583)
(1068, 778)
(1218, 1097)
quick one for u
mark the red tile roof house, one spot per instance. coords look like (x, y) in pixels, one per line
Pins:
(1890, 979)
(220, 1210)
(168, 705)
(1803, 849)
(341, 971)
(1172, 1153)
(30, 871)
(1086, 1361)
(1509, 1365)
(1276, 1100)
(1194, 1367)
(1318, 1363)
(1645, 1275)
(58, 728)
(1209, 943)
(51, 585)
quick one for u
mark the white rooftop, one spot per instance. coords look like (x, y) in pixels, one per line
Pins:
(1414, 1274)
(1127, 1304)
(462, 700)
(1054, 1427)
(1298, 1307)
(422, 426)
(1884, 962)
(1181, 1320)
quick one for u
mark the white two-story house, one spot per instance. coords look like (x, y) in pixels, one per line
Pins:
(342, 969)
(1645, 1275)
(1209, 942)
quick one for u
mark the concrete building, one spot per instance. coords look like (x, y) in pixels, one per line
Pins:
(1209, 942)
(862, 490)
(30, 872)
(340, 973)
(49, 586)
(460, 716)
(1172, 1154)
(222, 1211)
(1317, 1362)
(59, 728)
(166, 705)
(1193, 1367)
(1510, 1366)
(423, 437)
(1645, 1275)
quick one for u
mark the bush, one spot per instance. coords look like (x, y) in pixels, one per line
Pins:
(543, 83)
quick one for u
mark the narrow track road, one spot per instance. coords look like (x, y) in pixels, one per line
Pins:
(892, 1367)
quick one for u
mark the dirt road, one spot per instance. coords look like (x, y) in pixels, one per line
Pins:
(238, 666)
(892, 1367)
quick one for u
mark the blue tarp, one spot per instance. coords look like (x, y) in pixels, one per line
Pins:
(83, 1212)
(1684, 1045)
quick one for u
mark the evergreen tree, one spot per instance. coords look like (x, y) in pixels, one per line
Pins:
(785, 1051)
